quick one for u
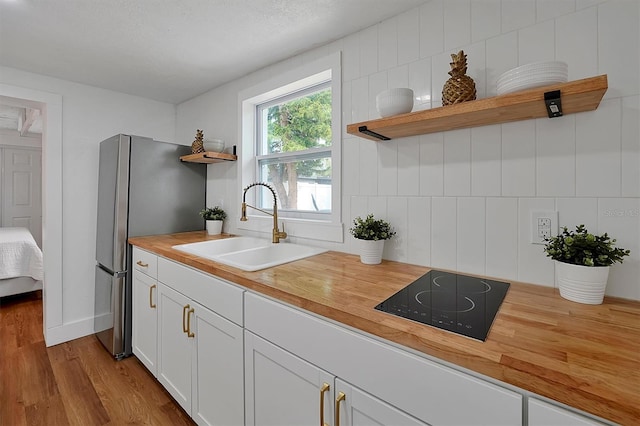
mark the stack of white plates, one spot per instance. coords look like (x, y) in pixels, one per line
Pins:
(536, 74)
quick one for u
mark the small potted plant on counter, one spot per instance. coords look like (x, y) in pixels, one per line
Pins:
(582, 263)
(214, 217)
(371, 234)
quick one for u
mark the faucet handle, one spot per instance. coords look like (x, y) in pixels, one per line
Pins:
(282, 233)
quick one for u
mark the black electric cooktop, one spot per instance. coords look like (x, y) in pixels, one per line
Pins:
(454, 302)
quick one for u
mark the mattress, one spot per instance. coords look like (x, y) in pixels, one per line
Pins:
(20, 256)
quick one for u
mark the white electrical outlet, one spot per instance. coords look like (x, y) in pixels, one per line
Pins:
(544, 224)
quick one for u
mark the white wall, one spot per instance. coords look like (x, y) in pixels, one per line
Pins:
(461, 199)
(89, 115)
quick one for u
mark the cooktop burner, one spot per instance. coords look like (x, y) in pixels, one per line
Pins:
(454, 302)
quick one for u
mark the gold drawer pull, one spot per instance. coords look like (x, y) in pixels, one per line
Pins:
(184, 318)
(325, 388)
(142, 264)
(341, 397)
(189, 333)
(151, 304)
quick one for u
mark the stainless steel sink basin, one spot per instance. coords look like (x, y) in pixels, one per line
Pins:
(249, 253)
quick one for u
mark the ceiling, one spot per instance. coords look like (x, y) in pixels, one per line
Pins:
(173, 50)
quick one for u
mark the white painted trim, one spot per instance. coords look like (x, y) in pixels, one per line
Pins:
(51, 106)
(69, 331)
(295, 79)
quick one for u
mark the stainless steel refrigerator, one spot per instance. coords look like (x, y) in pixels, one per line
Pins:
(143, 189)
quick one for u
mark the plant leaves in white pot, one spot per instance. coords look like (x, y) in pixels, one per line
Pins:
(582, 263)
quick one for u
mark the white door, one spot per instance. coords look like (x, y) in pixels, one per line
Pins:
(145, 320)
(174, 345)
(218, 378)
(282, 389)
(22, 190)
(358, 408)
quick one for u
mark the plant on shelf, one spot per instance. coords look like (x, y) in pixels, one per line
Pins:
(214, 217)
(371, 234)
(582, 263)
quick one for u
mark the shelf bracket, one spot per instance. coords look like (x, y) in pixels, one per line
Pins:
(553, 103)
(363, 129)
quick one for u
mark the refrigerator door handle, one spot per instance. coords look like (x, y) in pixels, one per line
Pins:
(122, 205)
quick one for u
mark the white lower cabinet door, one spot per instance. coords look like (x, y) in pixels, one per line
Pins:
(358, 408)
(174, 345)
(218, 369)
(544, 414)
(145, 320)
(282, 389)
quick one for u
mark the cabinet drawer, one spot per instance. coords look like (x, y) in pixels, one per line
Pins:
(145, 262)
(425, 389)
(544, 414)
(221, 297)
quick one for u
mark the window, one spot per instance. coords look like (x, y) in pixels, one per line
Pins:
(291, 135)
(294, 150)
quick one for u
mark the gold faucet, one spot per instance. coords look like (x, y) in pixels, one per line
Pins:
(277, 234)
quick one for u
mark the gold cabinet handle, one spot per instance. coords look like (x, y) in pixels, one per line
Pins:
(151, 304)
(324, 389)
(184, 318)
(189, 332)
(341, 397)
(141, 263)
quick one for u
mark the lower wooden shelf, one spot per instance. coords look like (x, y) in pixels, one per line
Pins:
(208, 157)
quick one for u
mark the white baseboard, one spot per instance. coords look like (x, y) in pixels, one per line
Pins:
(70, 331)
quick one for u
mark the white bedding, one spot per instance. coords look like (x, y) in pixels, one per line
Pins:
(20, 256)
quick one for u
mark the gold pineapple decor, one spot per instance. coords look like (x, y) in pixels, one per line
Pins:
(460, 87)
(197, 146)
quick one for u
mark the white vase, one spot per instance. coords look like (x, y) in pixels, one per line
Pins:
(582, 284)
(370, 251)
(214, 227)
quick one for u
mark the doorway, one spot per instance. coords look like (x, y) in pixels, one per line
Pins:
(51, 106)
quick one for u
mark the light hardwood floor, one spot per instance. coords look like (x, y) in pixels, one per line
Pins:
(74, 383)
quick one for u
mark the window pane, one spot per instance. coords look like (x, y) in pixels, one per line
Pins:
(302, 185)
(297, 124)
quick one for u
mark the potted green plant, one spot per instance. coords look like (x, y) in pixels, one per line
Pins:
(371, 234)
(582, 263)
(214, 217)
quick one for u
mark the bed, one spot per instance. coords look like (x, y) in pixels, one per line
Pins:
(21, 267)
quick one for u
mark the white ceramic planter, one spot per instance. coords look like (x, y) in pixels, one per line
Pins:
(214, 227)
(582, 284)
(370, 251)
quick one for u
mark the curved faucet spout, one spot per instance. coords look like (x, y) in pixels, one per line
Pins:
(276, 233)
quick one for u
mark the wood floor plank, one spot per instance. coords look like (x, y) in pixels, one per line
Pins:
(47, 413)
(73, 381)
(36, 376)
(12, 410)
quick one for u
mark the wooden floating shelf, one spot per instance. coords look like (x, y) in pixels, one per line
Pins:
(576, 96)
(208, 157)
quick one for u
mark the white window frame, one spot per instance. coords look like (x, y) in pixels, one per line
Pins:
(329, 227)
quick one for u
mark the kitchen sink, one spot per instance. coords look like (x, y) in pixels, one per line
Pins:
(249, 253)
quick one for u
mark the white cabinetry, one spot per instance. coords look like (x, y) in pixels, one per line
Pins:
(358, 408)
(545, 414)
(199, 349)
(174, 346)
(144, 309)
(410, 386)
(283, 389)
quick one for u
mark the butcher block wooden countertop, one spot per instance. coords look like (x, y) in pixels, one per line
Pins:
(585, 356)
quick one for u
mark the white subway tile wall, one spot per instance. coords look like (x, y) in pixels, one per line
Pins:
(462, 199)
